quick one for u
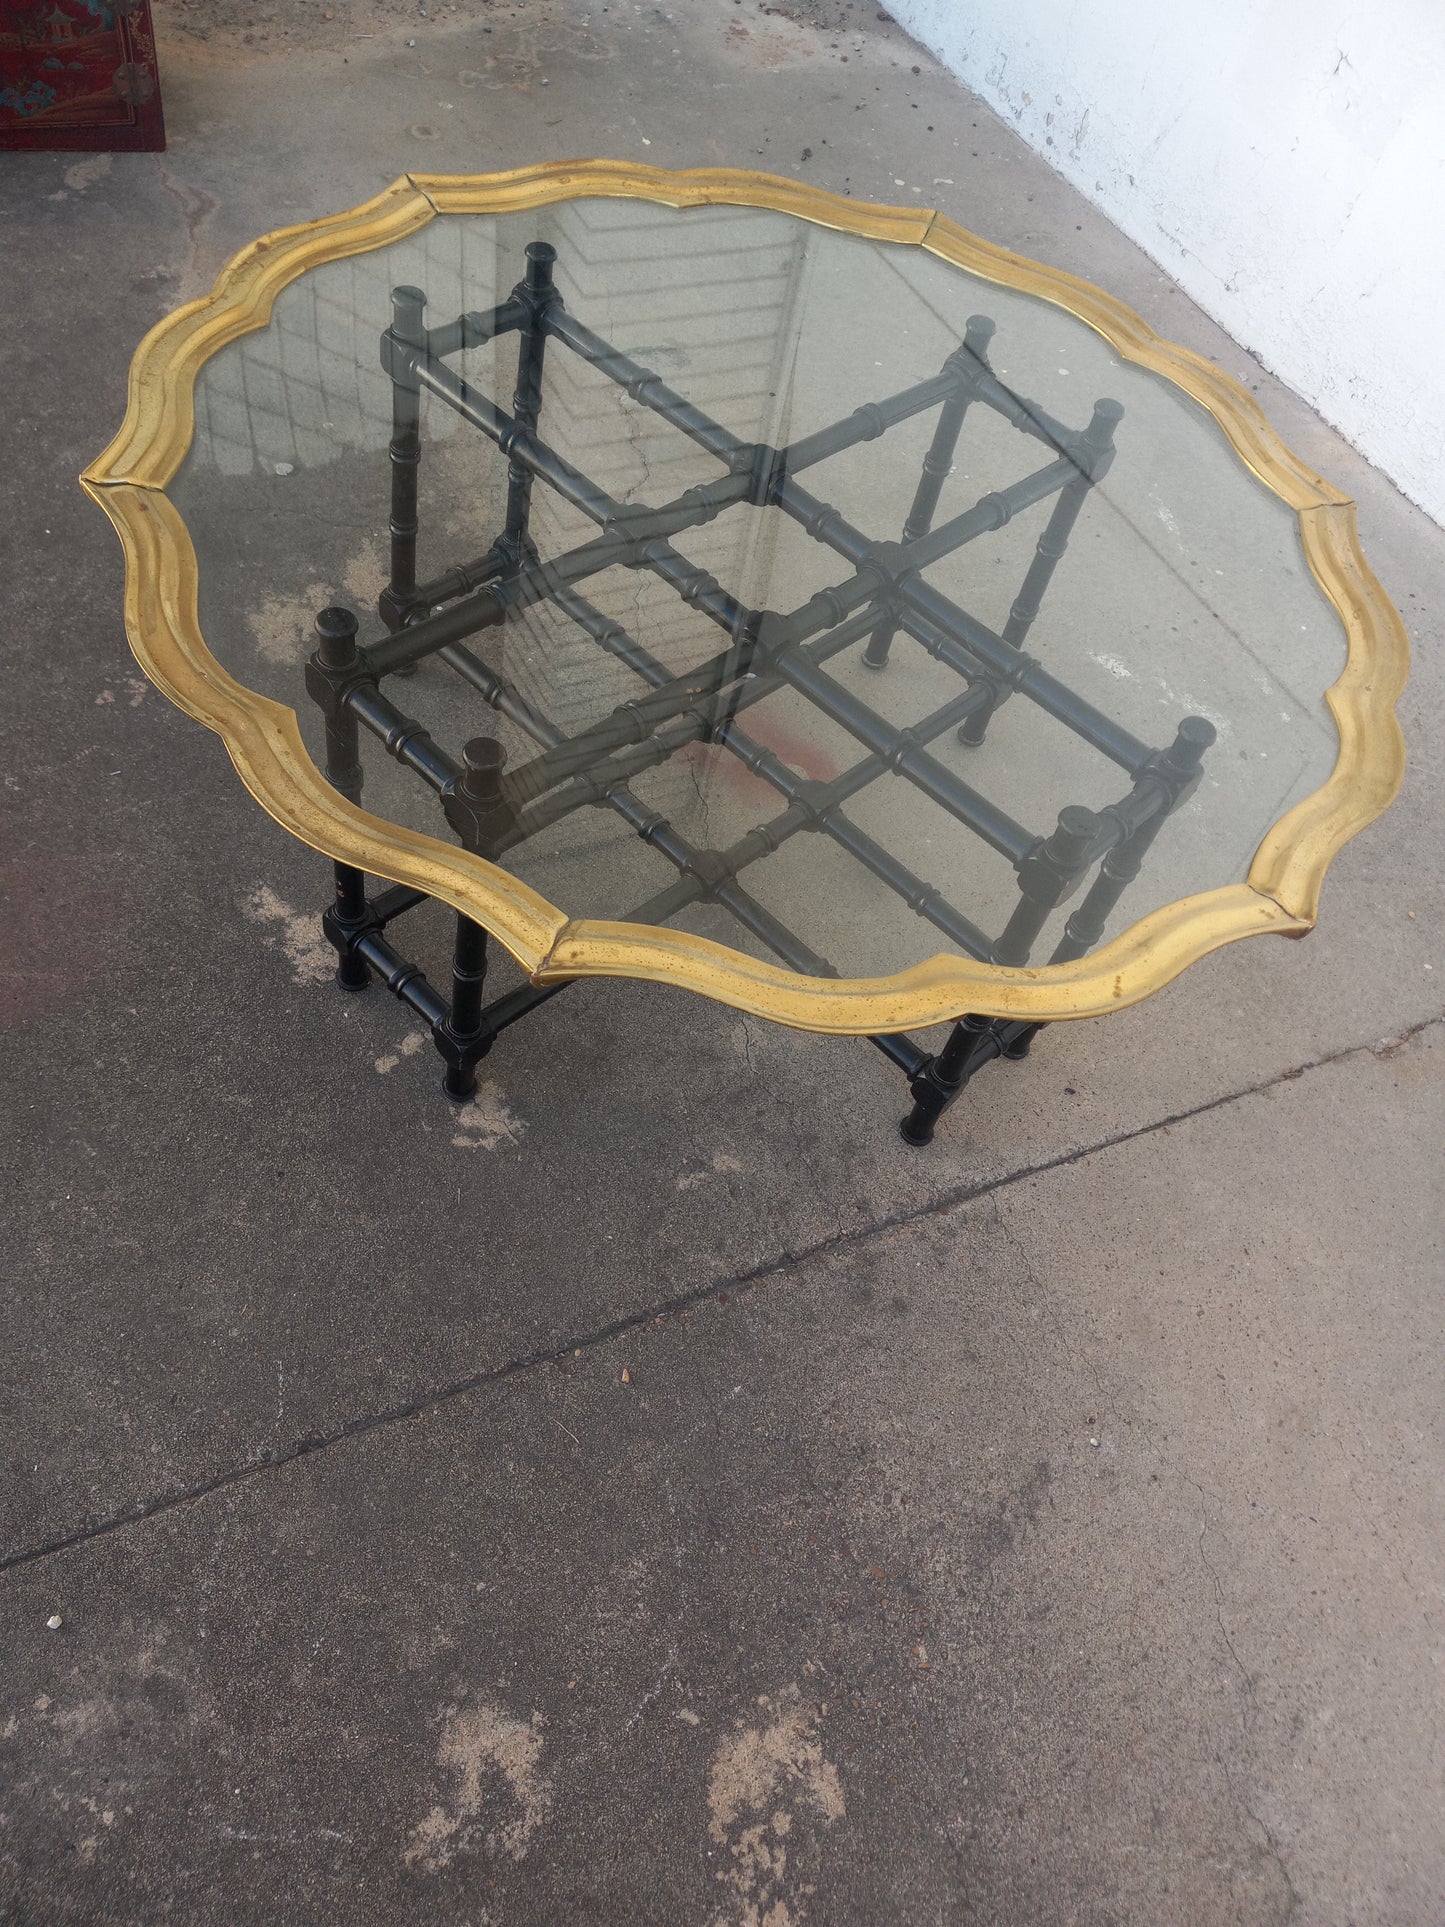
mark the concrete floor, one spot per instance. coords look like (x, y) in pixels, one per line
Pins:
(623, 1506)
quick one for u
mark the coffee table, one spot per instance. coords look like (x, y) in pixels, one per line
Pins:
(737, 586)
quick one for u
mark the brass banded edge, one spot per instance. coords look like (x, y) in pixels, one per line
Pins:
(264, 740)
(1146, 957)
(539, 186)
(159, 421)
(1291, 862)
(265, 744)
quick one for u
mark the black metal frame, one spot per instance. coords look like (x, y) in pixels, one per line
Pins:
(492, 811)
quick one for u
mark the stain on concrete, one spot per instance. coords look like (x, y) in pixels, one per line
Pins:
(134, 687)
(721, 1164)
(295, 933)
(408, 1047)
(759, 1776)
(485, 1121)
(499, 1795)
(86, 173)
(282, 624)
(196, 208)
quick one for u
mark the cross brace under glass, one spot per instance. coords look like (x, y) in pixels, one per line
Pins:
(493, 810)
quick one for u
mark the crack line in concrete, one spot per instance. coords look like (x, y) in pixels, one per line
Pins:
(780, 1266)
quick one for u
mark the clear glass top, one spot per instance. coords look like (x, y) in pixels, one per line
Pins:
(776, 790)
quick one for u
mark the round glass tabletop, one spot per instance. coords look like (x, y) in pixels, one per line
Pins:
(809, 582)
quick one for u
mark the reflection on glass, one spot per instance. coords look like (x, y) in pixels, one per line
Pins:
(943, 678)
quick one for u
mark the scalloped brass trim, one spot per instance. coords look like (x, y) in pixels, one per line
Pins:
(264, 739)
(1290, 863)
(160, 405)
(1146, 956)
(527, 187)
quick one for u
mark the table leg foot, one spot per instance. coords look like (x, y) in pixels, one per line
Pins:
(460, 1082)
(974, 1041)
(462, 1055)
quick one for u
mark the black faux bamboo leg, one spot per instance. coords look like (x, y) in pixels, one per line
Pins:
(1015, 1042)
(1046, 876)
(336, 645)
(408, 327)
(1096, 451)
(1178, 768)
(537, 290)
(349, 915)
(469, 974)
(887, 589)
(943, 1077)
(937, 463)
(474, 806)
(1096, 454)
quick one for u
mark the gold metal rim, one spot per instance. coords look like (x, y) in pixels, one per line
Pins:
(264, 741)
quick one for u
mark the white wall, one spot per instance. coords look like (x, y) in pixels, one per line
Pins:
(1283, 159)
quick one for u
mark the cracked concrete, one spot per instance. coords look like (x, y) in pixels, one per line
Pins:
(937, 1481)
(433, 1531)
(573, 1344)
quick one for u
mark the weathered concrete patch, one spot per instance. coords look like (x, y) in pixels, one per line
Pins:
(297, 934)
(480, 1744)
